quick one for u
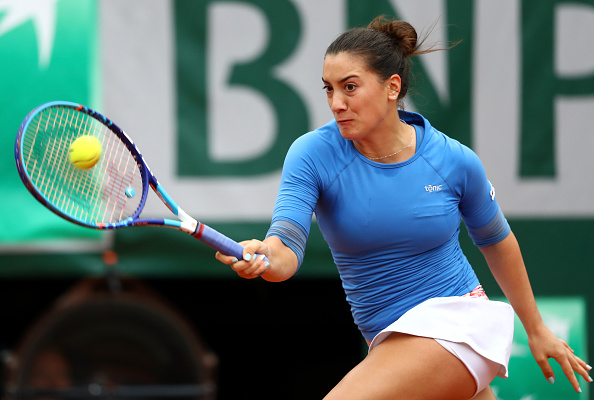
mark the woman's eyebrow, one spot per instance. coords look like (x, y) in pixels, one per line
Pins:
(343, 79)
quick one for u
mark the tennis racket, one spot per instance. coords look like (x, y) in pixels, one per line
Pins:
(110, 195)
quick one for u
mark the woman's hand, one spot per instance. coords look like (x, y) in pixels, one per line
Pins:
(544, 345)
(505, 261)
(253, 263)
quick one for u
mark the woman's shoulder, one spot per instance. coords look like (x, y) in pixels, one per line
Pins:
(322, 153)
(454, 160)
(439, 146)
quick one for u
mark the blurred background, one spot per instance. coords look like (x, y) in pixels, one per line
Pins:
(213, 92)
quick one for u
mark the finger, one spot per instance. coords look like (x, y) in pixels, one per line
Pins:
(251, 269)
(244, 270)
(258, 266)
(255, 247)
(547, 371)
(581, 368)
(577, 364)
(568, 370)
(256, 273)
(582, 363)
(252, 246)
(567, 345)
(240, 266)
(266, 265)
(253, 273)
(253, 256)
(264, 271)
(225, 259)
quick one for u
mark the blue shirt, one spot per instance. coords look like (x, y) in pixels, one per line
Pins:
(392, 228)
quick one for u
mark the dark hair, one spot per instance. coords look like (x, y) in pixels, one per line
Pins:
(386, 46)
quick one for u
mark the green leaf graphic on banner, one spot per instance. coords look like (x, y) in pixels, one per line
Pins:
(48, 52)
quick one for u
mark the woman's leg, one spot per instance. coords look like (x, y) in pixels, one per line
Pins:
(406, 367)
(485, 394)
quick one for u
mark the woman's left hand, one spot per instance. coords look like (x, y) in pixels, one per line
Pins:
(544, 345)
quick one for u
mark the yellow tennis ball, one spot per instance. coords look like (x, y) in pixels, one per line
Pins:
(85, 152)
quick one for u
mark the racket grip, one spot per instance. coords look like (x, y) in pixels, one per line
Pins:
(220, 242)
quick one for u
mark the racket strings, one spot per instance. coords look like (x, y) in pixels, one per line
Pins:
(59, 190)
(121, 174)
(70, 191)
(93, 196)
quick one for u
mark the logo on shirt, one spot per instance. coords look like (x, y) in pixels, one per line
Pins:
(492, 192)
(433, 188)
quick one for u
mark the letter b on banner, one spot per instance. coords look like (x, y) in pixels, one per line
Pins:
(235, 115)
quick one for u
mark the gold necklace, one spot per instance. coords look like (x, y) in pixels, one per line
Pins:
(412, 138)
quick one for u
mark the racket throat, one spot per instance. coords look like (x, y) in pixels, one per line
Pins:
(188, 223)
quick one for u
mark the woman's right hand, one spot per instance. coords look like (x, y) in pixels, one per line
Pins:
(253, 263)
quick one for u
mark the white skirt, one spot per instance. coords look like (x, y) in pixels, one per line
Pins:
(486, 326)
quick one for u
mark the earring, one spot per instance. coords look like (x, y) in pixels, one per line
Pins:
(394, 94)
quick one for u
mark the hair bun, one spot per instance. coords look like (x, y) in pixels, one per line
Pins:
(402, 33)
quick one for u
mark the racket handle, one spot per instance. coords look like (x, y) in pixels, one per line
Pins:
(220, 242)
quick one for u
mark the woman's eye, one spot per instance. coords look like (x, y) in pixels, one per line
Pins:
(350, 87)
(327, 88)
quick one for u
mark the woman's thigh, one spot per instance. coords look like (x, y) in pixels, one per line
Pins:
(485, 394)
(406, 367)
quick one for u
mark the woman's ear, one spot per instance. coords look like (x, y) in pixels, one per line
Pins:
(394, 84)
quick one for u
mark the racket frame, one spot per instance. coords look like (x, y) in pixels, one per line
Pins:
(186, 223)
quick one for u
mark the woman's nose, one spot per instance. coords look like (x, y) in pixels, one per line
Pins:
(337, 103)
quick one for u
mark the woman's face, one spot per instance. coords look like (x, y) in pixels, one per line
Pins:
(360, 101)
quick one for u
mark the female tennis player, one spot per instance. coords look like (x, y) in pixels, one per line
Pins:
(388, 190)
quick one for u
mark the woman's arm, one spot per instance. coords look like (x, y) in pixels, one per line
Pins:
(281, 266)
(507, 266)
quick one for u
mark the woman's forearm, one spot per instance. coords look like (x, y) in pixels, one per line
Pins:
(507, 266)
(283, 261)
